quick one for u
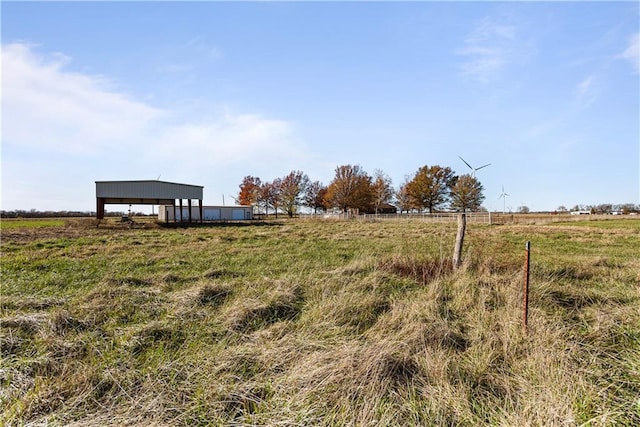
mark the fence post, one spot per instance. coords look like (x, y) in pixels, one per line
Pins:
(457, 252)
(525, 296)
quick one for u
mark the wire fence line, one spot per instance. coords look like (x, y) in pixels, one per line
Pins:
(489, 218)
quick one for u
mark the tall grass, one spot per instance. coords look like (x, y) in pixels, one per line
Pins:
(320, 323)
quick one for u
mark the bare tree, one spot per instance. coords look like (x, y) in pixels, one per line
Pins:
(403, 198)
(381, 189)
(314, 196)
(270, 195)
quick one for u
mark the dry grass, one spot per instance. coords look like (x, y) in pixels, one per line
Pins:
(328, 323)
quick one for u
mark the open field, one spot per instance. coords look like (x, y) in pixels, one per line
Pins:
(320, 323)
(8, 224)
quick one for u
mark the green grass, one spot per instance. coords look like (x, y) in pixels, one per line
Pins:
(9, 224)
(320, 323)
(619, 223)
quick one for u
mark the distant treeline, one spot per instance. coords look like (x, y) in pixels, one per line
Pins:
(60, 214)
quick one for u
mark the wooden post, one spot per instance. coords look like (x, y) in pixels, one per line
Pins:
(525, 293)
(457, 252)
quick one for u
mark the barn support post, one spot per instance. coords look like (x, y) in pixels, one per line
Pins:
(200, 206)
(181, 211)
(175, 217)
(100, 208)
(189, 204)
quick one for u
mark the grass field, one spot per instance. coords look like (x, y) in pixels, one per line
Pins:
(9, 224)
(320, 323)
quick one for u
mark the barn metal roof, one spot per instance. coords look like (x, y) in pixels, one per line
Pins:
(147, 189)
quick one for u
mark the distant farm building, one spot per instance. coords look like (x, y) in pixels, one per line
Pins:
(580, 212)
(147, 193)
(207, 213)
(386, 208)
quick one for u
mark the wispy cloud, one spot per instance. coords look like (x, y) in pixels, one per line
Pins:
(49, 108)
(63, 119)
(586, 91)
(489, 48)
(200, 45)
(188, 56)
(230, 139)
(632, 52)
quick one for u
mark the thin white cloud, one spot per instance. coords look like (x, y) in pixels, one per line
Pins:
(632, 52)
(542, 129)
(586, 92)
(60, 119)
(47, 107)
(230, 138)
(200, 45)
(188, 56)
(489, 48)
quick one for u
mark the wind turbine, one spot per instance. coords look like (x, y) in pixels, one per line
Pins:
(503, 196)
(473, 170)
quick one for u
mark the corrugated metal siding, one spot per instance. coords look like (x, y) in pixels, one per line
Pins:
(147, 190)
(210, 213)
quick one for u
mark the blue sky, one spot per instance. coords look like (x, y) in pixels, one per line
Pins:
(208, 92)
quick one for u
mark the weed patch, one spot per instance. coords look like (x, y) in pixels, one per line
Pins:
(280, 304)
(154, 334)
(213, 295)
(26, 324)
(218, 273)
(130, 281)
(423, 271)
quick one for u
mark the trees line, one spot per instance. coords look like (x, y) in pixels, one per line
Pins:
(431, 188)
(33, 213)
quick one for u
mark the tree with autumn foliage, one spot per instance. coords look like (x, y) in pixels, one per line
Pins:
(466, 194)
(429, 188)
(270, 195)
(403, 199)
(381, 189)
(249, 191)
(314, 196)
(292, 188)
(350, 189)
